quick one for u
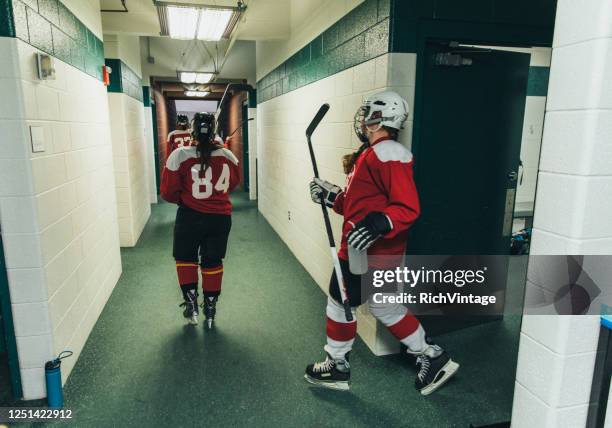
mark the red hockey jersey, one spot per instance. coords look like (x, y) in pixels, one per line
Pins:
(178, 139)
(381, 180)
(206, 193)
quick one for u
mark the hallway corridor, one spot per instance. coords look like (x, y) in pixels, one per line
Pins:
(143, 366)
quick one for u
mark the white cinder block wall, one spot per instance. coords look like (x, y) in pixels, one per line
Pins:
(130, 153)
(285, 168)
(572, 213)
(130, 160)
(57, 208)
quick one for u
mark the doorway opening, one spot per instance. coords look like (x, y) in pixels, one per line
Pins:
(191, 107)
(478, 130)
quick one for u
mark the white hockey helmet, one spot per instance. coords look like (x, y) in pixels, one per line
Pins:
(385, 108)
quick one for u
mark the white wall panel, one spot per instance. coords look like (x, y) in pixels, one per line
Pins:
(56, 207)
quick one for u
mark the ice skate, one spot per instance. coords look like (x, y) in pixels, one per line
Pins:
(210, 309)
(191, 307)
(331, 373)
(435, 369)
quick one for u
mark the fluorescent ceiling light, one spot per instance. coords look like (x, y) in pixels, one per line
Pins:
(200, 22)
(204, 77)
(190, 77)
(187, 77)
(197, 94)
(183, 22)
(213, 23)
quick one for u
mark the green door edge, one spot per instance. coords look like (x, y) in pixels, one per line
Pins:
(245, 146)
(9, 330)
(156, 146)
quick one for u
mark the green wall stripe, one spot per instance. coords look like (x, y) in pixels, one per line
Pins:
(48, 25)
(146, 96)
(537, 85)
(123, 79)
(359, 36)
(253, 98)
(7, 23)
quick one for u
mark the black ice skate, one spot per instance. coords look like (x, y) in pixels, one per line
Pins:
(435, 369)
(210, 309)
(191, 307)
(331, 373)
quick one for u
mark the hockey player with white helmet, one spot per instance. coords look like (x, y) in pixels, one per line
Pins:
(378, 204)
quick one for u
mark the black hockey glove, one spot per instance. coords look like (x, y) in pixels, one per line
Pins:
(321, 189)
(368, 230)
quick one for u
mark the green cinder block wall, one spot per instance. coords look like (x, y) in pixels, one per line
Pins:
(359, 36)
(124, 80)
(376, 27)
(50, 26)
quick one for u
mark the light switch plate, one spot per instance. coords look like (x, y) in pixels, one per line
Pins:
(37, 134)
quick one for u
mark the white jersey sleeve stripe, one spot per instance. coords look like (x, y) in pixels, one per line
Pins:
(177, 157)
(227, 153)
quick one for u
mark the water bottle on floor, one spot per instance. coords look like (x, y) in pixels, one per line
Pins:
(53, 379)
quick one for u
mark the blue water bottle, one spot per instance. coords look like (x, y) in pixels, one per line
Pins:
(53, 378)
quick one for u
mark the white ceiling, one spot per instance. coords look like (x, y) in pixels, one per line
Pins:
(172, 55)
(264, 20)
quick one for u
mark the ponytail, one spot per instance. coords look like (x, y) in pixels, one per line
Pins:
(206, 145)
(348, 161)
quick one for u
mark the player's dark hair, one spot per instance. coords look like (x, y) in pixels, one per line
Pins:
(204, 133)
(348, 161)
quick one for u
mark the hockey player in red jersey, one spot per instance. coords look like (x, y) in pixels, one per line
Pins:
(180, 137)
(199, 179)
(379, 204)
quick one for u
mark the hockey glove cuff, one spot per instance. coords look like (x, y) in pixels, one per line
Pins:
(321, 189)
(368, 230)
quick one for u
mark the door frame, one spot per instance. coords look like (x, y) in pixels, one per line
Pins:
(245, 146)
(468, 33)
(472, 33)
(156, 146)
(9, 330)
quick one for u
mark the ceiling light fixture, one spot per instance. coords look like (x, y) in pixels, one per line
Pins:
(202, 22)
(182, 22)
(213, 23)
(190, 77)
(197, 94)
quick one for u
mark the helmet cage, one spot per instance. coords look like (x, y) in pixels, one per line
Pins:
(203, 124)
(182, 119)
(359, 123)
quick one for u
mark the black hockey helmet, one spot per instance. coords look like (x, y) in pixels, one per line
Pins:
(203, 126)
(182, 119)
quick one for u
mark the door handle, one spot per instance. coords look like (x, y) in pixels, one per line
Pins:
(512, 175)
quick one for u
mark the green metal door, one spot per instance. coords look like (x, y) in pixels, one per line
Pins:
(467, 156)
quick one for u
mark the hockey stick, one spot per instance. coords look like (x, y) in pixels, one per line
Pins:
(240, 126)
(330, 236)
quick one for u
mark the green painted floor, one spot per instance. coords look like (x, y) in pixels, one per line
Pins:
(142, 366)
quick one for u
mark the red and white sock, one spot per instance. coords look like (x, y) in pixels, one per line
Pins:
(401, 323)
(340, 333)
(212, 277)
